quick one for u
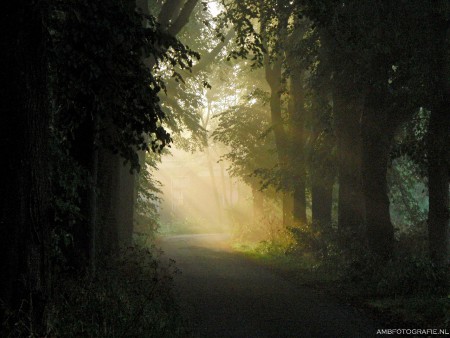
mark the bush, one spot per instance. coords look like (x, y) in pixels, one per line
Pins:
(402, 276)
(130, 296)
(324, 243)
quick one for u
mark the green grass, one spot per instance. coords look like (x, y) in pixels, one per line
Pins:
(303, 269)
(187, 227)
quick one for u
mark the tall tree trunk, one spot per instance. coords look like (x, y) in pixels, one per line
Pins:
(348, 135)
(273, 74)
(377, 134)
(11, 114)
(297, 133)
(438, 185)
(108, 206)
(84, 153)
(322, 161)
(439, 156)
(322, 198)
(273, 78)
(36, 196)
(297, 145)
(93, 199)
(25, 190)
(126, 200)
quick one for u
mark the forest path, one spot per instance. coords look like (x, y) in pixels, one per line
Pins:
(223, 294)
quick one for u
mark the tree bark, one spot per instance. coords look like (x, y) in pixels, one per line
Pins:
(273, 78)
(183, 17)
(126, 200)
(439, 156)
(108, 203)
(26, 186)
(297, 146)
(377, 139)
(93, 203)
(169, 12)
(347, 114)
(438, 185)
(322, 198)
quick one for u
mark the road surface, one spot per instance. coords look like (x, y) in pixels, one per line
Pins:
(223, 294)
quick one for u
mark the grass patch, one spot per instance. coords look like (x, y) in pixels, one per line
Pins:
(304, 269)
(187, 227)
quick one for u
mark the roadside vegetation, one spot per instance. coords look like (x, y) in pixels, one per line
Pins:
(408, 290)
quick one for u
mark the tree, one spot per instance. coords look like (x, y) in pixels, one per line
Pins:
(438, 136)
(25, 189)
(243, 128)
(74, 100)
(377, 53)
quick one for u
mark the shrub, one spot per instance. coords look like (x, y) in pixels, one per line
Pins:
(130, 296)
(322, 242)
(401, 276)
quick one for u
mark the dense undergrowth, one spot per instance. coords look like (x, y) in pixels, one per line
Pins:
(130, 296)
(408, 289)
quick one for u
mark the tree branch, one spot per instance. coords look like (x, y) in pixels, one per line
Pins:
(183, 17)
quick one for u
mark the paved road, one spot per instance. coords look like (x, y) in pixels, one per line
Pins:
(224, 294)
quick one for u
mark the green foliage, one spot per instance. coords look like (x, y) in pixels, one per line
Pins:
(103, 96)
(322, 242)
(131, 295)
(69, 179)
(187, 225)
(267, 229)
(148, 199)
(244, 130)
(426, 310)
(411, 141)
(408, 194)
(101, 77)
(240, 15)
(403, 276)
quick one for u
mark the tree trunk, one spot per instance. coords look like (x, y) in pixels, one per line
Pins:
(36, 167)
(297, 145)
(10, 149)
(438, 185)
(273, 78)
(322, 199)
(25, 190)
(348, 134)
(377, 137)
(93, 205)
(439, 153)
(108, 207)
(126, 199)
(84, 153)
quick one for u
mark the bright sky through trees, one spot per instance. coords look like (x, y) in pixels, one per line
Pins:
(214, 8)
